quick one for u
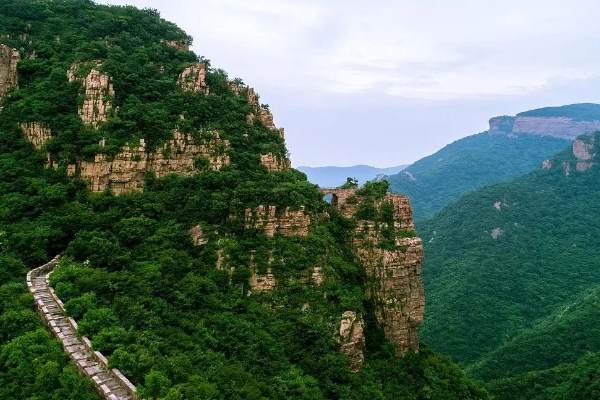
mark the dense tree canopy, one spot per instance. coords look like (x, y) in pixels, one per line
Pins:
(156, 305)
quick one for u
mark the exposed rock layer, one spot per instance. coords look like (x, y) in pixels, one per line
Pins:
(560, 127)
(286, 223)
(9, 78)
(98, 94)
(126, 171)
(36, 133)
(352, 339)
(394, 272)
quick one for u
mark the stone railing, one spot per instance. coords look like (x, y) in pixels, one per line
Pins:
(110, 384)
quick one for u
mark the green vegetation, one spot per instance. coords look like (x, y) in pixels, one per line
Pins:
(578, 112)
(511, 309)
(161, 310)
(468, 164)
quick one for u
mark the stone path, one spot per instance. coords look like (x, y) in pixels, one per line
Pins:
(110, 384)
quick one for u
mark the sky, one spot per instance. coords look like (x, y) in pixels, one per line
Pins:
(387, 82)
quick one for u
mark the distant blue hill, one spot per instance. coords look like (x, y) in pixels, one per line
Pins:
(335, 176)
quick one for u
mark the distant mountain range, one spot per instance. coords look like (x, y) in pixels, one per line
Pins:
(335, 176)
(511, 147)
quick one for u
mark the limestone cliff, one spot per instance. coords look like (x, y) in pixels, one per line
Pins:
(560, 127)
(286, 223)
(352, 339)
(36, 133)
(584, 154)
(9, 78)
(98, 92)
(193, 78)
(393, 269)
(125, 172)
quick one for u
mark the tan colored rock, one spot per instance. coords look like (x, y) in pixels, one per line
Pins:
(286, 223)
(496, 232)
(98, 94)
(198, 236)
(317, 276)
(352, 340)
(126, 171)
(193, 78)
(547, 164)
(273, 163)
(181, 44)
(584, 166)
(260, 282)
(567, 168)
(36, 133)
(394, 275)
(582, 150)
(9, 78)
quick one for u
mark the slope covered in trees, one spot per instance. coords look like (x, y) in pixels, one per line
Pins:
(468, 164)
(180, 318)
(512, 279)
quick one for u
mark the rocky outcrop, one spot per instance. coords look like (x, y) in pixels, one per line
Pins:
(98, 93)
(272, 163)
(584, 152)
(262, 282)
(193, 78)
(559, 127)
(36, 133)
(199, 238)
(125, 172)
(286, 223)
(393, 270)
(9, 78)
(180, 44)
(502, 124)
(109, 383)
(351, 338)
(264, 114)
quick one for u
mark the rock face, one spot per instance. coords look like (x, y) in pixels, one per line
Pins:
(273, 163)
(352, 339)
(9, 78)
(36, 133)
(264, 114)
(286, 223)
(560, 127)
(193, 78)
(126, 171)
(181, 44)
(393, 271)
(98, 94)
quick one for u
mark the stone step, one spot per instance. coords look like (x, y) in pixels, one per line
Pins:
(107, 382)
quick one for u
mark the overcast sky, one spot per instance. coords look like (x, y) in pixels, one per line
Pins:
(387, 82)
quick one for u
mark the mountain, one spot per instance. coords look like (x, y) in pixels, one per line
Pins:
(336, 176)
(196, 263)
(510, 272)
(511, 147)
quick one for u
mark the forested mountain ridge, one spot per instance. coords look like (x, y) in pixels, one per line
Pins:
(511, 147)
(510, 273)
(195, 258)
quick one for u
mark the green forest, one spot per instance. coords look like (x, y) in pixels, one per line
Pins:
(151, 301)
(468, 164)
(511, 277)
(577, 112)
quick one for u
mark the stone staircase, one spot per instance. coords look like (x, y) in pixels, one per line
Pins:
(110, 384)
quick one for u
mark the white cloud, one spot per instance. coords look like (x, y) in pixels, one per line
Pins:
(426, 49)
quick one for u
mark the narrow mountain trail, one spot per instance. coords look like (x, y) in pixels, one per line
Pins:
(110, 384)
